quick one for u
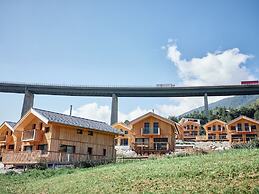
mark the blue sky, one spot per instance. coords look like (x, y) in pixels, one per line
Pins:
(120, 43)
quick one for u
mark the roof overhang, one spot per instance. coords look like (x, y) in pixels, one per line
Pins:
(7, 125)
(33, 112)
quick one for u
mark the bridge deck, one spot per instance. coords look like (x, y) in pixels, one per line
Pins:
(223, 90)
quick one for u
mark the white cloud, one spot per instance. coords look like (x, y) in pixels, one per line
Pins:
(92, 111)
(220, 67)
(103, 113)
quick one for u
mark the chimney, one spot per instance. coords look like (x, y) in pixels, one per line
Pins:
(71, 107)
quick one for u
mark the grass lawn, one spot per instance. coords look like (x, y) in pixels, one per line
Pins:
(235, 171)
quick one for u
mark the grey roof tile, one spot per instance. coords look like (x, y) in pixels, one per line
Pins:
(12, 124)
(76, 121)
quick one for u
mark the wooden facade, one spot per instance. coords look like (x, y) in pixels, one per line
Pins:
(242, 130)
(216, 130)
(6, 137)
(190, 128)
(153, 134)
(40, 141)
(127, 136)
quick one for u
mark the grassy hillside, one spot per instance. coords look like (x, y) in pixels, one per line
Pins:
(235, 171)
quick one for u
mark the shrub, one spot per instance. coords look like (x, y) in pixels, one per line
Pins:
(250, 145)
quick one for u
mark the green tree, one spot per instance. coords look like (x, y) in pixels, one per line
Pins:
(256, 115)
(173, 118)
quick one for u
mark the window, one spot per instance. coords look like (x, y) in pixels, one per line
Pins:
(27, 148)
(191, 126)
(68, 149)
(247, 127)
(126, 132)
(41, 124)
(188, 126)
(142, 140)
(211, 137)
(79, 131)
(214, 128)
(6, 133)
(90, 151)
(253, 127)
(223, 128)
(124, 142)
(43, 148)
(160, 139)
(34, 126)
(239, 127)
(155, 127)
(233, 128)
(104, 152)
(11, 132)
(146, 128)
(209, 128)
(195, 127)
(11, 147)
(222, 136)
(47, 129)
(91, 133)
(219, 127)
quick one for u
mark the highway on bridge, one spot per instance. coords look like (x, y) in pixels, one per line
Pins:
(47, 89)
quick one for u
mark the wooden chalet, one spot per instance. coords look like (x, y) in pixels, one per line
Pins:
(190, 128)
(53, 138)
(216, 130)
(6, 136)
(242, 130)
(127, 136)
(153, 134)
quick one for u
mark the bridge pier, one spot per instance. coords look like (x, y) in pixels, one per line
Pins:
(114, 111)
(206, 105)
(27, 102)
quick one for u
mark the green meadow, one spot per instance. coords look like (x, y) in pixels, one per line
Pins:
(233, 171)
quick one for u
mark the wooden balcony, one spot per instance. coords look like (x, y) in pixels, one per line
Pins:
(2, 138)
(156, 147)
(38, 156)
(5, 139)
(150, 131)
(32, 135)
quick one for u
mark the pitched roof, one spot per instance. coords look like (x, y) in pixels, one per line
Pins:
(122, 124)
(9, 124)
(243, 117)
(154, 115)
(75, 121)
(215, 120)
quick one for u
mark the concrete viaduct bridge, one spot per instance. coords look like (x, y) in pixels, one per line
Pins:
(29, 90)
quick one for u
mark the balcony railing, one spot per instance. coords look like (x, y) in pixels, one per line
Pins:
(150, 131)
(28, 135)
(2, 138)
(37, 156)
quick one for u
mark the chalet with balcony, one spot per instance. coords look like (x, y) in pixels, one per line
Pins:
(48, 137)
(127, 136)
(216, 130)
(7, 136)
(190, 128)
(153, 134)
(242, 130)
